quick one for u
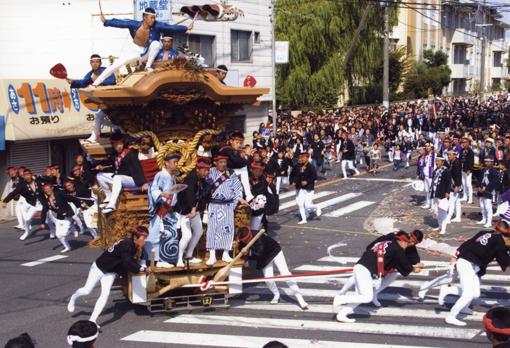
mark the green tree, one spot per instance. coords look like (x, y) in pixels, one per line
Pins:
(319, 34)
(433, 72)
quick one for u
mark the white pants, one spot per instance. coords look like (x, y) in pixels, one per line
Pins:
(88, 217)
(28, 212)
(441, 214)
(281, 180)
(486, 206)
(256, 222)
(338, 153)
(427, 183)
(132, 54)
(100, 119)
(191, 230)
(455, 206)
(283, 269)
(245, 181)
(95, 276)
(77, 218)
(19, 211)
(106, 179)
(304, 200)
(60, 228)
(408, 158)
(385, 282)
(350, 164)
(469, 286)
(467, 184)
(364, 288)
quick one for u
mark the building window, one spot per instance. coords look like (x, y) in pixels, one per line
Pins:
(241, 45)
(199, 44)
(459, 54)
(256, 38)
(497, 60)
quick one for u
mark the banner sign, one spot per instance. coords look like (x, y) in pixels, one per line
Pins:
(2, 133)
(281, 52)
(36, 109)
(163, 9)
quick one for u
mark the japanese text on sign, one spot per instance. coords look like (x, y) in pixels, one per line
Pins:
(163, 9)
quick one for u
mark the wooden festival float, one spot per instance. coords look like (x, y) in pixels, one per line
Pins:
(181, 106)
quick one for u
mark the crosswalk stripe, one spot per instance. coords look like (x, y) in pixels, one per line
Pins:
(217, 340)
(349, 209)
(45, 260)
(317, 195)
(380, 179)
(329, 325)
(384, 296)
(338, 199)
(287, 194)
(363, 309)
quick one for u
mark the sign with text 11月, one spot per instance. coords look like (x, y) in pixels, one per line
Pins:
(38, 109)
(281, 54)
(163, 9)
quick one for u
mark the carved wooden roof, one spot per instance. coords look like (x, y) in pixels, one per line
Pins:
(177, 86)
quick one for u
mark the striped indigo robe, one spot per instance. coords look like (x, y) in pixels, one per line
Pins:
(220, 228)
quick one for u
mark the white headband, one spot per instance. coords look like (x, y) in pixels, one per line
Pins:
(149, 13)
(72, 338)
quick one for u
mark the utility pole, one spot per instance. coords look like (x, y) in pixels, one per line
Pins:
(273, 43)
(482, 57)
(386, 69)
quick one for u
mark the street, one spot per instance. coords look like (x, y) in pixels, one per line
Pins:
(37, 281)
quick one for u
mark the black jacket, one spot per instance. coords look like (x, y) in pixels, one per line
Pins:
(350, 153)
(467, 159)
(443, 184)
(411, 252)
(235, 160)
(394, 258)
(119, 258)
(258, 187)
(456, 173)
(489, 179)
(190, 197)
(264, 250)
(23, 189)
(61, 208)
(300, 174)
(129, 166)
(282, 168)
(484, 247)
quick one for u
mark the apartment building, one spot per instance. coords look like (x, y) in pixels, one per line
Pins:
(471, 33)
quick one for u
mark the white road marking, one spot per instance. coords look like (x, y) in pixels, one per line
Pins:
(45, 260)
(317, 195)
(329, 325)
(384, 296)
(287, 194)
(381, 179)
(349, 209)
(337, 200)
(215, 340)
(363, 309)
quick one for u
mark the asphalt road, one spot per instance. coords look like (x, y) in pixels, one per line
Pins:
(33, 297)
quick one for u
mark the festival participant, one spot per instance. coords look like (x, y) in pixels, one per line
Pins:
(440, 193)
(14, 178)
(267, 253)
(163, 236)
(83, 334)
(189, 207)
(69, 189)
(348, 155)
(280, 164)
(428, 171)
(303, 176)
(60, 223)
(225, 193)
(88, 208)
(472, 259)
(145, 148)
(375, 263)
(145, 45)
(259, 187)
(119, 259)
(100, 118)
(238, 161)
(496, 324)
(456, 176)
(166, 52)
(415, 237)
(222, 72)
(486, 190)
(126, 171)
(467, 158)
(31, 190)
(488, 151)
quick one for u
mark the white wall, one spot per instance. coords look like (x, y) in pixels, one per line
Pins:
(37, 34)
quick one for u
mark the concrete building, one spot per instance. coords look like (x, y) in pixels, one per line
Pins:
(35, 35)
(471, 33)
